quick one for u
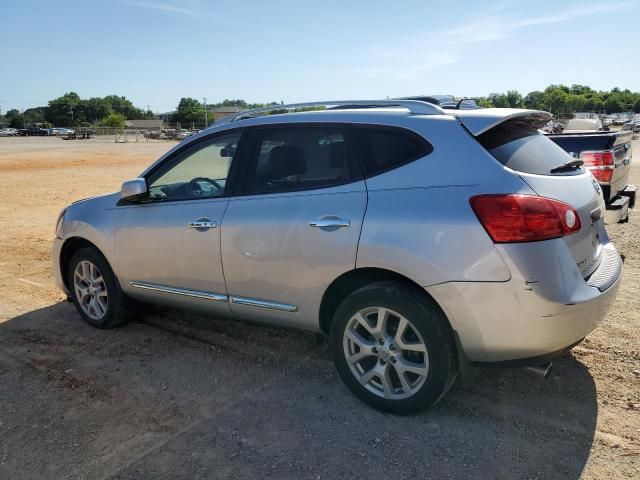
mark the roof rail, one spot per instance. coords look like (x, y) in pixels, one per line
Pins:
(416, 107)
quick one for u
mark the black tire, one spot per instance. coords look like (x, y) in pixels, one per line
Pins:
(116, 312)
(429, 321)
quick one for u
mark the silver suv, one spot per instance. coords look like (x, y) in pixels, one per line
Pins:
(424, 242)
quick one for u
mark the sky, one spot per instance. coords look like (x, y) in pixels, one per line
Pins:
(155, 52)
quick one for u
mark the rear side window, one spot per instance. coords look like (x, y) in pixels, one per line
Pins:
(384, 148)
(519, 145)
(295, 158)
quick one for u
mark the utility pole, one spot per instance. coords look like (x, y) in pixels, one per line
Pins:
(206, 119)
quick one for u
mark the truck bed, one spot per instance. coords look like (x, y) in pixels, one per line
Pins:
(620, 142)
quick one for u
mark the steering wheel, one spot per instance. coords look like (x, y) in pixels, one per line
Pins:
(196, 189)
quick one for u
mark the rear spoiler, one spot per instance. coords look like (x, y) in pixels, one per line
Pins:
(481, 121)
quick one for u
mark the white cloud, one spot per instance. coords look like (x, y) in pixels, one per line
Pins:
(175, 8)
(415, 55)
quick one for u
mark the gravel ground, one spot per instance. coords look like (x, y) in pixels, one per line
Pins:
(176, 395)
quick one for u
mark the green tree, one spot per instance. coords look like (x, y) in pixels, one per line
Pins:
(94, 109)
(34, 116)
(555, 99)
(593, 102)
(534, 100)
(514, 99)
(61, 110)
(484, 102)
(580, 89)
(114, 120)
(189, 111)
(614, 104)
(636, 106)
(14, 118)
(575, 103)
(124, 106)
(498, 100)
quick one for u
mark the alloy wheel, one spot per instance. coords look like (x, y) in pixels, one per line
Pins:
(91, 290)
(385, 353)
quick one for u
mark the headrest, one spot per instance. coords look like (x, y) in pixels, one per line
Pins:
(337, 154)
(287, 160)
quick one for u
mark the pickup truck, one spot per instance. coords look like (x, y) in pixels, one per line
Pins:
(585, 125)
(608, 156)
(33, 131)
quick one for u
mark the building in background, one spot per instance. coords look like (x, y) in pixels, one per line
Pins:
(149, 125)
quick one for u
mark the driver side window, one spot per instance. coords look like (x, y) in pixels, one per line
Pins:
(201, 172)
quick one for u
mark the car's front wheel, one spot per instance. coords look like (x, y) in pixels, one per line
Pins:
(392, 347)
(95, 290)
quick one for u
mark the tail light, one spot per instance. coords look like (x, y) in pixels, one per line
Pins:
(524, 218)
(600, 163)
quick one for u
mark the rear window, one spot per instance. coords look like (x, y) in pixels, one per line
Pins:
(519, 145)
(385, 148)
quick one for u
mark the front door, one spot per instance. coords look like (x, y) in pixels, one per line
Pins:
(294, 228)
(168, 244)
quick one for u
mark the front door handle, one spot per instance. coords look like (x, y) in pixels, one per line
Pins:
(330, 222)
(202, 224)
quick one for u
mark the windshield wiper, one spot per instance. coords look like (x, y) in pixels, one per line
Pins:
(571, 165)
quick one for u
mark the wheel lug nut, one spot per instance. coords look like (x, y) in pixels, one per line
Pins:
(382, 362)
(392, 347)
(374, 350)
(393, 359)
(381, 341)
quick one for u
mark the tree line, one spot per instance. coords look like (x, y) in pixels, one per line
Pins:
(70, 110)
(561, 100)
(190, 111)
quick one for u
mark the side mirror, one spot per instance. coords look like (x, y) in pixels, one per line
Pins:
(132, 189)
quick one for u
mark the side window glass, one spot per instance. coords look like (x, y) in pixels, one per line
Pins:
(384, 148)
(202, 173)
(298, 158)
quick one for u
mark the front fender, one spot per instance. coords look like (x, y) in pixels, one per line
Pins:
(92, 220)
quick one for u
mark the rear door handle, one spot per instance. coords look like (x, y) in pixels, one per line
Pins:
(330, 222)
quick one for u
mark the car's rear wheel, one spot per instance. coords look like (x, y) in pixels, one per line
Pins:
(392, 347)
(95, 290)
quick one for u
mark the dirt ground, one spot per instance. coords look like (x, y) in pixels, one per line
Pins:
(175, 395)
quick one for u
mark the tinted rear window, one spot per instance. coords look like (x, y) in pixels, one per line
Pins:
(517, 144)
(384, 148)
(292, 158)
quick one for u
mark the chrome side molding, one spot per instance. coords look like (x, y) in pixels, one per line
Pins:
(254, 302)
(217, 297)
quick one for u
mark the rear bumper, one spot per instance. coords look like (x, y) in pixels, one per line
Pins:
(529, 361)
(618, 208)
(536, 315)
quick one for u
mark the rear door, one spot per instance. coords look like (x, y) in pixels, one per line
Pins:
(518, 145)
(294, 226)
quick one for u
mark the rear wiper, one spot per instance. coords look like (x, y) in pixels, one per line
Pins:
(571, 165)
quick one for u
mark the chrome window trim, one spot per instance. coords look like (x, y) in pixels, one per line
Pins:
(217, 297)
(254, 302)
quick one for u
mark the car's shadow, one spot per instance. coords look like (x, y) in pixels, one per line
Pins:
(175, 393)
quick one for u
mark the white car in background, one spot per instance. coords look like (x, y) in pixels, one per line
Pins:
(182, 134)
(62, 131)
